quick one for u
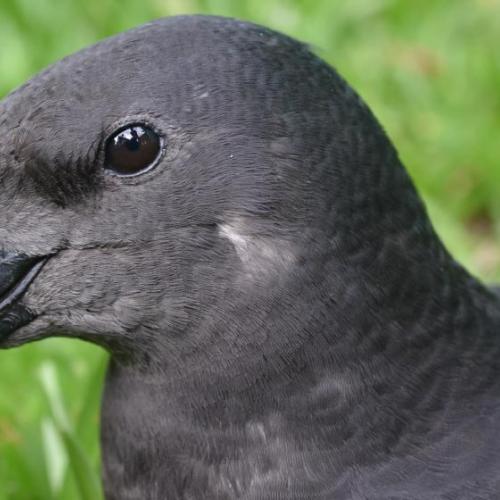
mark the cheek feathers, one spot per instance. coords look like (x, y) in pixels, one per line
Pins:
(261, 257)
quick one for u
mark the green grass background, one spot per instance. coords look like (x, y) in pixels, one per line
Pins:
(429, 69)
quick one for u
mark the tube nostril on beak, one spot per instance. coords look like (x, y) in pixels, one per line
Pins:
(17, 270)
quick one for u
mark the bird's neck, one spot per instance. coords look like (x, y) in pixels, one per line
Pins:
(389, 331)
(371, 367)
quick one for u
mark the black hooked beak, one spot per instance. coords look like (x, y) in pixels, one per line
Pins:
(17, 271)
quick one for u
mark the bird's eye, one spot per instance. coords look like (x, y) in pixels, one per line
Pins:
(132, 150)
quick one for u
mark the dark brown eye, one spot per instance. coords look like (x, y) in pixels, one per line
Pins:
(132, 150)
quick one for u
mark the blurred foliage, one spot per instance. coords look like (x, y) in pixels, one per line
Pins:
(430, 70)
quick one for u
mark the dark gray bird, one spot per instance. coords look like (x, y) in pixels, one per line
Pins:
(214, 205)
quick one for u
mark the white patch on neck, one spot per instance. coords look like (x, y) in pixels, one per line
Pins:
(258, 254)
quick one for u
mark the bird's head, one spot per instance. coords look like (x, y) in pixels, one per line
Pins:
(173, 169)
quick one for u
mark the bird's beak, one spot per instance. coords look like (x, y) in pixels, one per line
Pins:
(17, 271)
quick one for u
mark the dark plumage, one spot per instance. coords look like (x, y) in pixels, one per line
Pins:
(283, 321)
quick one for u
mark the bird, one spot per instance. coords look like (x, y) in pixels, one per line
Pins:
(214, 205)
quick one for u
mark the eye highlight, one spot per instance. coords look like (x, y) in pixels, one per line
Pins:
(132, 150)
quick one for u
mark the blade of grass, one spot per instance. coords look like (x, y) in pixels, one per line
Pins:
(85, 476)
(56, 457)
